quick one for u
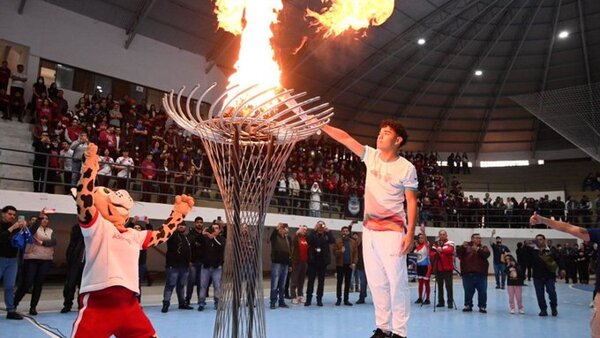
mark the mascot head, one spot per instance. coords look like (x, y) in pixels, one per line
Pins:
(114, 206)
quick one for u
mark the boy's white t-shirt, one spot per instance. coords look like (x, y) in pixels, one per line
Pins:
(385, 185)
(111, 257)
(127, 162)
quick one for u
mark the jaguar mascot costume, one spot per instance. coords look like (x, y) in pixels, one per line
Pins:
(107, 301)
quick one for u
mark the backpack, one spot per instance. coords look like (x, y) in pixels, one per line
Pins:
(21, 239)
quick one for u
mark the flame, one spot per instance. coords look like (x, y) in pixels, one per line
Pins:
(342, 15)
(252, 19)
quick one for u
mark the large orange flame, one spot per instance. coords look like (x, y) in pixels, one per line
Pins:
(343, 15)
(252, 19)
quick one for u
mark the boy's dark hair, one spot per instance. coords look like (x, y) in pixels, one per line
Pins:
(198, 219)
(397, 127)
(8, 208)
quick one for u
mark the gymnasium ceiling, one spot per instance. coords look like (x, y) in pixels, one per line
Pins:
(431, 87)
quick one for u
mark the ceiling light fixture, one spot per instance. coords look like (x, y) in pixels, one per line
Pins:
(421, 41)
(563, 34)
(478, 72)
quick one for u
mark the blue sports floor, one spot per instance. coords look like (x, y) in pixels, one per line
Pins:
(358, 321)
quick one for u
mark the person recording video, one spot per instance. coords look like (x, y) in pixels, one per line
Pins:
(474, 267)
(442, 258)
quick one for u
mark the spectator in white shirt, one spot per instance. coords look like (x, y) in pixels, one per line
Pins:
(294, 189)
(66, 163)
(105, 172)
(123, 165)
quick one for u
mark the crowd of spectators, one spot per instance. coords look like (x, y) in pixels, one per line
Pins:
(142, 150)
(457, 161)
(591, 182)
(501, 212)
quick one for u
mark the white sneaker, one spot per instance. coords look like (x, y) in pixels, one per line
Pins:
(300, 300)
(295, 301)
(521, 311)
(512, 311)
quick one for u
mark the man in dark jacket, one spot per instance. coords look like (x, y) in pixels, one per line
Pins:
(360, 271)
(281, 259)
(346, 256)
(544, 263)
(319, 256)
(177, 266)
(474, 267)
(8, 257)
(75, 263)
(499, 251)
(213, 243)
(41, 148)
(195, 239)
(587, 235)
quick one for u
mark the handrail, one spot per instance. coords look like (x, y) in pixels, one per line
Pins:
(332, 205)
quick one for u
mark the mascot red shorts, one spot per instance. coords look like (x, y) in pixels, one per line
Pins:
(112, 311)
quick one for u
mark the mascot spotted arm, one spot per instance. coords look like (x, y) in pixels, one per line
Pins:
(107, 302)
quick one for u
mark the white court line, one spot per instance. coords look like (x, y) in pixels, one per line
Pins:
(49, 334)
(32, 322)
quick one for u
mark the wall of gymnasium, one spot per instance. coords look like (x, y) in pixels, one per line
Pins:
(53, 33)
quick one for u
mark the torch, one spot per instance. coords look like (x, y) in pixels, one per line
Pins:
(248, 135)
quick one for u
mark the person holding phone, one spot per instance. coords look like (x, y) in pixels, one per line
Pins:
(8, 256)
(319, 256)
(37, 260)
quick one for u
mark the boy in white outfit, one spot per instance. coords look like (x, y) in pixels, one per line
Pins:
(387, 236)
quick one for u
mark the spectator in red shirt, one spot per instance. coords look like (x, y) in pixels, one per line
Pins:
(148, 169)
(165, 173)
(41, 127)
(39, 89)
(299, 264)
(46, 109)
(179, 177)
(73, 131)
(108, 140)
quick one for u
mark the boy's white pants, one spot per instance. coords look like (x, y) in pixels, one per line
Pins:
(388, 279)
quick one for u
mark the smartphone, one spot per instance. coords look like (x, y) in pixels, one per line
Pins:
(21, 218)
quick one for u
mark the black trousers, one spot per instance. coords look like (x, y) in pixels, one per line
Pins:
(72, 282)
(39, 178)
(315, 271)
(344, 274)
(441, 278)
(35, 272)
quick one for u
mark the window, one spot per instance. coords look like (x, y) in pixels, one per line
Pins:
(492, 164)
(64, 77)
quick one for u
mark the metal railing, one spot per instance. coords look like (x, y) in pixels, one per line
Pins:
(200, 186)
(331, 205)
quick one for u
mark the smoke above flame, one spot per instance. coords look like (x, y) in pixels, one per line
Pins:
(343, 15)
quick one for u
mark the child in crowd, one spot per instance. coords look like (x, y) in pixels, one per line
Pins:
(515, 279)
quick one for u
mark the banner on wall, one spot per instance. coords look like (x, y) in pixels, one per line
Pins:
(354, 207)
